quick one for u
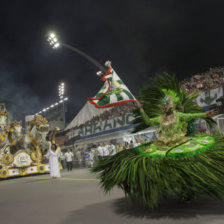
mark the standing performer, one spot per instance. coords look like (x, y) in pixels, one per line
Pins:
(53, 156)
(177, 163)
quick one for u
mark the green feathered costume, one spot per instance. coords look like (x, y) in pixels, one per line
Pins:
(186, 166)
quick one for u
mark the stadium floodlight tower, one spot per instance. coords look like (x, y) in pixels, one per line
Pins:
(61, 103)
(61, 93)
(61, 90)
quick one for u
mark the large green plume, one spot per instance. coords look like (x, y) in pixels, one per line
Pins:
(150, 180)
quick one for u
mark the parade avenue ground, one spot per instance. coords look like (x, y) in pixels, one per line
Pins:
(77, 198)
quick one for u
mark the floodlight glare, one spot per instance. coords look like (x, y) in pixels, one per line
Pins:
(53, 41)
(99, 73)
(56, 45)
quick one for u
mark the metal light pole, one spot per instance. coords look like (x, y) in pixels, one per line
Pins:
(60, 103)
(53, 41)
(61, 92)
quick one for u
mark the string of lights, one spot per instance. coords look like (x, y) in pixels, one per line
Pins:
(62, 99)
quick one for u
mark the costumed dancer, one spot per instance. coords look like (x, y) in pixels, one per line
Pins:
(173, 124)
(175, 164)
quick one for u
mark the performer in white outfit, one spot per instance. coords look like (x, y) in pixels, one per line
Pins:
(53, 156)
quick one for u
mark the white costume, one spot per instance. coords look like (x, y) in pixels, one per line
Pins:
(100, 151)
(106, 151)
(53, 162)
(112, 149)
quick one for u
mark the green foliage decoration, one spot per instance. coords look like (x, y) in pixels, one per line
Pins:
(149, 180)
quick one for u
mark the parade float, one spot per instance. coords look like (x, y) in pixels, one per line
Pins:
(178, 163)
(23, 154)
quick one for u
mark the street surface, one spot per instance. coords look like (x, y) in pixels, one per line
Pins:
(77, 198)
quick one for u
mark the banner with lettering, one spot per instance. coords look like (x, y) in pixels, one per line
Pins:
(101, 126)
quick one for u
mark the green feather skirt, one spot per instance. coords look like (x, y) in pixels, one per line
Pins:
(148, 176)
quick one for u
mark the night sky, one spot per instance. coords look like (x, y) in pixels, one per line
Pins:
(141, 38)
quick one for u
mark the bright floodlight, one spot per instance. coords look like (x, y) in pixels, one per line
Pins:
(53, 41)
(66, 98)
(56, 45)
(99, 73)
(61, 90)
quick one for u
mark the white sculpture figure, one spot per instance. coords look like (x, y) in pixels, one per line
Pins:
(16, 138)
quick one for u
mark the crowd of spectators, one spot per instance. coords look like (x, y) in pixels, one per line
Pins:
(211, 79)
(87, 156)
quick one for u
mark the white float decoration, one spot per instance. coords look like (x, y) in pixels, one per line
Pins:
(23, 154)
(22, 159)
